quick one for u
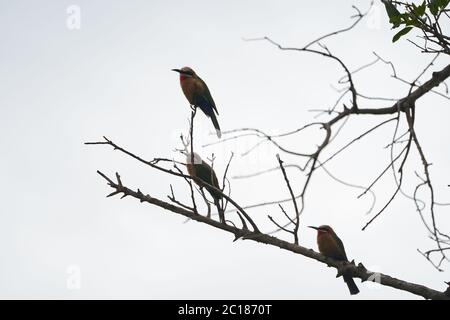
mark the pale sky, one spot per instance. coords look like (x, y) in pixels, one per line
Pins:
(62, 87)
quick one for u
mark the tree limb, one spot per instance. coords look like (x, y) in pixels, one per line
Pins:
(355, 271)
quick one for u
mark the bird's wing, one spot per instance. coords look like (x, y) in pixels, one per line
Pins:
(207, 97)
(343, 255)
(205, 173)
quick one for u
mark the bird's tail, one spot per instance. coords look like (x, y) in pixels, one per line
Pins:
(351, 285)
(216, 125)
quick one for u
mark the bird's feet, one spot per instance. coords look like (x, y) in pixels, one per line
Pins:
(345, 268)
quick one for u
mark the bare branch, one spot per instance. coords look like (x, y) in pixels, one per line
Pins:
(354, 271)
(294, 201)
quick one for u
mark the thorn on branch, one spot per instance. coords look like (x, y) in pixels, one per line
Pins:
(118, 179)
(244, 224)
(113, 193)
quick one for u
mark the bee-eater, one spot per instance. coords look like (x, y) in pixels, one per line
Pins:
(331, 246)
(198, 95)
(203, 171)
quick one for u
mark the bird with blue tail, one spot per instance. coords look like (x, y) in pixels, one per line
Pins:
(197, 168)
(198, 95)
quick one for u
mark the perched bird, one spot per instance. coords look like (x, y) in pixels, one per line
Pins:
(198, 168)
(198, 95)
(331, 246)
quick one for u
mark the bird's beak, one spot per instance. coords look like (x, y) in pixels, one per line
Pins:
(177, 70)
(315, 228)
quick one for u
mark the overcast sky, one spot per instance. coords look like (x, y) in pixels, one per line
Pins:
(61, 86)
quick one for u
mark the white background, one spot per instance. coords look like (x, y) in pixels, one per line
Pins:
(62, 87)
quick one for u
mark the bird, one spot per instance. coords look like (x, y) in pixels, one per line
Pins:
(197, 168)
(331, 246)
(198, 95)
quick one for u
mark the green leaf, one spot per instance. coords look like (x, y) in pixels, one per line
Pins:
(434, 7)
(443, 3)
(413, 22)
(420, 10)
(401, 33)
(393, 13)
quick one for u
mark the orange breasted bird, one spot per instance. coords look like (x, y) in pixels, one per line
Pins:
(198, 95)
(204, 172)
(331, 246)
